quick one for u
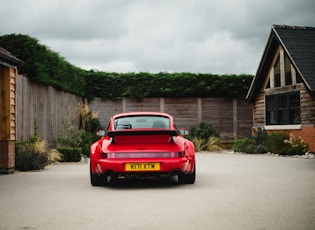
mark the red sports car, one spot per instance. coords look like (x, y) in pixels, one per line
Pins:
(142, 145)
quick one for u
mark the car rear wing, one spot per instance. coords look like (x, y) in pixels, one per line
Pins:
(141, 132)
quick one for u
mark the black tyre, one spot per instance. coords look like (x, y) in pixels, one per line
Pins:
(98, 180)
(184, 178)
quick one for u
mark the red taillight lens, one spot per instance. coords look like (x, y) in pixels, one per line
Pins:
(178, 154)
(111, 155)
(104, 155)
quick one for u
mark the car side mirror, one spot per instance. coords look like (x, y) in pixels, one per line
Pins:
(183, 132)
(100, 132)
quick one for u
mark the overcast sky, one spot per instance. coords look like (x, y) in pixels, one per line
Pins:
(200, 36)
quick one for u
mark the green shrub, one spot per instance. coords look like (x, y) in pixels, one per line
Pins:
(275, 142)
(88, 119)
(84, 135)
(54, 156)
(246, 145)
(72, 136)
(259, 137)
(70, 154)
(243, 145)
(204, 131)
(89, 124)
(199, 144)
(31, 155)
(29, 161)
(291, 151)
(294, 146)
(253, 144)
(201, 134)
(87, 140)
(213, 144)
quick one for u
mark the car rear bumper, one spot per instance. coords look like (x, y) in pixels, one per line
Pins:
(166, 166)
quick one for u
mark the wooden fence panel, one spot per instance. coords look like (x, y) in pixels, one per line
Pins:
(46, 106)
(147, 104)
(245, 115)
(231, 117)
(184, 111)
(219, 112)
(106, 109)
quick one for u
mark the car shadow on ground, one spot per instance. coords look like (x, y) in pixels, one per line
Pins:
(167, 182)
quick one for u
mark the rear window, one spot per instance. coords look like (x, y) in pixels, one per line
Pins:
(135, 122)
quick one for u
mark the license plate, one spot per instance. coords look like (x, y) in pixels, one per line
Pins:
(142, 166)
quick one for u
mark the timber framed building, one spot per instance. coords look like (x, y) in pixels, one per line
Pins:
(283, 90)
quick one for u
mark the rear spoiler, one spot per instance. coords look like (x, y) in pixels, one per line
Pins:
(141, 132)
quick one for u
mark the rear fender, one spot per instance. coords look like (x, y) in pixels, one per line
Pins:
(190, 154)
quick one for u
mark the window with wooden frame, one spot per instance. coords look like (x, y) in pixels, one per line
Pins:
(283, 109)
(282, 72)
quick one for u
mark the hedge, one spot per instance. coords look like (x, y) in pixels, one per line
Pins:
(141, 85)
(46, 66)
(70, 154)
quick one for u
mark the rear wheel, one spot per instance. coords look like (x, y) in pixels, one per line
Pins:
(98, 180)
(184, 178)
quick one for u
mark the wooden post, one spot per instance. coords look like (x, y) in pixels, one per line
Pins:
(162, 104)
(123, 104)
(8, 77)
(199, 110)
(235, 120)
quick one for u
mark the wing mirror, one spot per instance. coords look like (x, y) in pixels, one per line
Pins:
(100, 132)
(183, 132)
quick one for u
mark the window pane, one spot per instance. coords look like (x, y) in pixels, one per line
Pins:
(295, 109)
(270, 103)
(273, 119)
(283, 109)
(287, 68)
(295, 116)
(270, 110)
(277, 73)
(134, 122)
(283, 117)
(295, 101)
(283, 102)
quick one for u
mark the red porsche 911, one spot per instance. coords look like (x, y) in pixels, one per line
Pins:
(142, 145)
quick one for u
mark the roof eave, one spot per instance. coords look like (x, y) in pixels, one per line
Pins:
(250, 97)
(10, 59)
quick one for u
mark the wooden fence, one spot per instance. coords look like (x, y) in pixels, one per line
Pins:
(46, 107)
(231, 117)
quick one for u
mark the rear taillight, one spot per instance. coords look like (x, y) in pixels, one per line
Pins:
(108, 155)
(111, 155)
(104, 155)
(178, 154)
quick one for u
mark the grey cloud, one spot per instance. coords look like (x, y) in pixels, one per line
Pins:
(225, 36)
